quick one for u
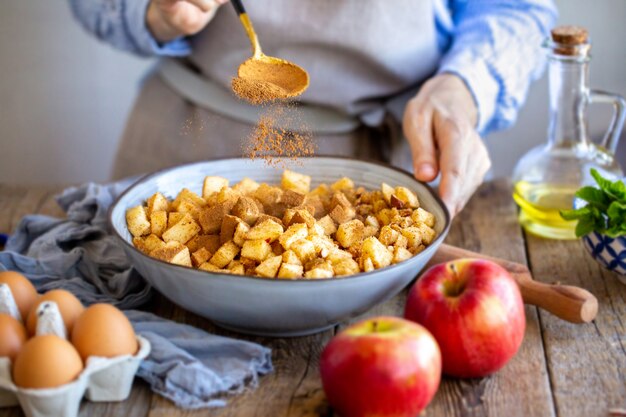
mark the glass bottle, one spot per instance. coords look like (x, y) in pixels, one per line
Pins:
(546, 178)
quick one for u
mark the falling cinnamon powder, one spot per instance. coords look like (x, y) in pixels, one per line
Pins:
(276, 144)
(194, 124)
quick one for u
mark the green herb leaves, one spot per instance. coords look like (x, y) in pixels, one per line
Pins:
(605, 211)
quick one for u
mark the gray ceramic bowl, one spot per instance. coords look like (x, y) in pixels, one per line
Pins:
(265, 306)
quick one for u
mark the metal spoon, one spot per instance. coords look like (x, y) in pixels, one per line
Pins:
(290, 79)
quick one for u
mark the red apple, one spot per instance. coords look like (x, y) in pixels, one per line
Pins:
(384, 366)
(475, 311)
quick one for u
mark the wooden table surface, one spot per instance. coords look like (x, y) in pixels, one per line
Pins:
(562, 369)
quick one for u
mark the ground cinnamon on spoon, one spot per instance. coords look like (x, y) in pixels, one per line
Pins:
(263, 80)
(258, 92)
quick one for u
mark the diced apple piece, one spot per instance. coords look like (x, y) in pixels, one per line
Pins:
(369, 231)
(277, 248)
(368, 265)
(289, 271)
(200, 256)
(212, 185)
(182, 231)
(317, 230)
(304, 249)
(174, 253)
(158, 222)
(346, 266)
(173, 218)
(386, 216)
(321, 190)
(157, 202)
(328, 224)
(379, 205)
(317, 204)
(407, 196)
(377, 252)
(210, 242)
(340, 199)
(290, 257)
(395, 202)
(139, 243)
(350, 233)
(236, 268)
(190, 196)
(294, 181)
(341, 214)
(211, 218)
(268, 194)
(137, 220)
(258, 250)
(300, 216)
(241, 232)
(388, 235)
(269, 267)
(292, 198)
(293, 233)
(246, 186)
(225, 254)
(387, 192)
(337, 255)
(342, 184)
(268, 230)
(207, 266)
(401, 242)
(401, 254)
(420, 215)
(229, 225)
(153, 242)
(322, 244)
(318, 273)
(188, 207)
(413, 235)
(428, 234)
(246, 209)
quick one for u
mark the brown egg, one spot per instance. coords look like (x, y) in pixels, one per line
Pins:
(23, 291)
(46, 362)
(69, 306)
(12, 336)
(103, 330)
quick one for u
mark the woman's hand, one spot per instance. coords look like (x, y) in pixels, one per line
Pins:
(171, 19)
(439, 125)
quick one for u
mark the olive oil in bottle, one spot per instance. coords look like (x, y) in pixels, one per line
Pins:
(540, 205)
(547, 177)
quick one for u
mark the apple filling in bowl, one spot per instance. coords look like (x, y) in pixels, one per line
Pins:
(287, 231)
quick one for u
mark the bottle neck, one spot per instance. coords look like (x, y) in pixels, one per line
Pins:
(569, 90)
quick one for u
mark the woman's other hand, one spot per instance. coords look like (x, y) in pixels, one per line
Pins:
(439, 125)
(171, 19)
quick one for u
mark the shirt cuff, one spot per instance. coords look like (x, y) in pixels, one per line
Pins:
(480, 81)
(139, 34)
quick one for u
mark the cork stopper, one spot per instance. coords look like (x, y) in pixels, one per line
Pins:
(570, 40)
(570, 35)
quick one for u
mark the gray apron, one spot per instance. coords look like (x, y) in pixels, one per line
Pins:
(365, 59)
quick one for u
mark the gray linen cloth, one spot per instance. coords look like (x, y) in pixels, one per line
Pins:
(192, 368)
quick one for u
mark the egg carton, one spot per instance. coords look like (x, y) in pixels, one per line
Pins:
(102, 380)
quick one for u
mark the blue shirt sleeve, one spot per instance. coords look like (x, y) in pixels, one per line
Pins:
(496, 50)
(122, 23)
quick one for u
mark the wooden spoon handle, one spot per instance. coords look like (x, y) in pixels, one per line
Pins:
(570, 303)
